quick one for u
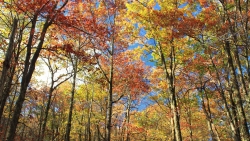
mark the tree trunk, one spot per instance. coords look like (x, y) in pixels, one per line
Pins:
(170, 78)
(51, 90)
(110, 94)
(4, 81)
(206, 109)
(10, 109)
(110, 100)
(46, 112)
(128, 118)
(27, 74)
(40, 123)
(173, 138)
(238, 100)
(90, 100)
(237, 87)
(231, 115)
(68, 128)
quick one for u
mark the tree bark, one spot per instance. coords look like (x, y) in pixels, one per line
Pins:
(207, 112)
(238, 99)
(4, 81)
(27, 74)
(110, 95)
(231, 115)
(29, 64)
(128, 117)
(68, 128)
(171, 86)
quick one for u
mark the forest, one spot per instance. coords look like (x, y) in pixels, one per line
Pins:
(124, 70)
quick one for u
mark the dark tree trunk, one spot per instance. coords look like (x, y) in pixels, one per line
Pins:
(68, 128)
(238, 99)
(5, 83)
(110, 102)
(27, 74)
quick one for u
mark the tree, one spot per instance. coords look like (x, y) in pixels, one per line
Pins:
(6, 68)
(29, 65)
(55, 82)
(166, 44)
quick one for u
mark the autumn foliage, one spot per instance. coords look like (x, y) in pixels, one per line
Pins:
(124, 70)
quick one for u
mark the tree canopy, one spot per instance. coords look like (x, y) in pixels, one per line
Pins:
(124, 70)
